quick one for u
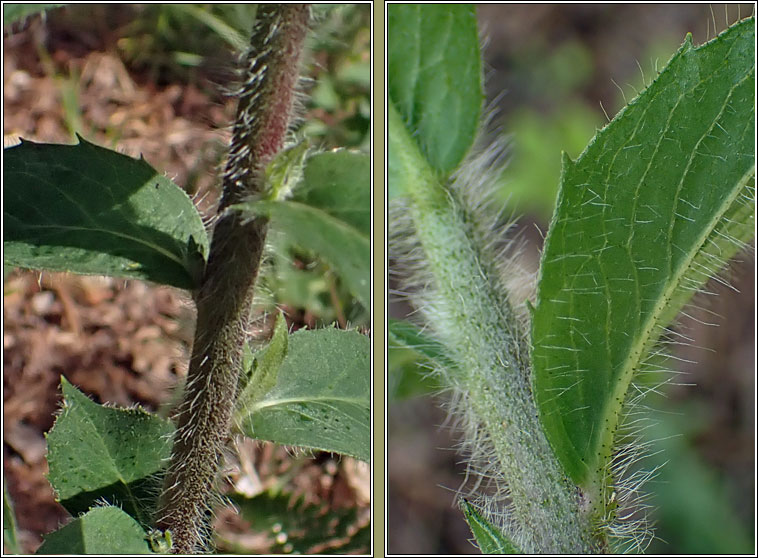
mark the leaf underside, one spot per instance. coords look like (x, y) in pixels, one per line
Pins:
(656, 204)
(86, 209)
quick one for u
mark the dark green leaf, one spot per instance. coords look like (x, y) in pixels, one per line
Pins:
(321, 399)
(339, 183)
(86, 209)
(98, 453)
(105, 530)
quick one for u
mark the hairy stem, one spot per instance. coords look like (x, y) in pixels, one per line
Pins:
(224, 300)
(473, 318)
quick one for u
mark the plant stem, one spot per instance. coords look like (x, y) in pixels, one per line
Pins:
(224, 300)
(472, 316)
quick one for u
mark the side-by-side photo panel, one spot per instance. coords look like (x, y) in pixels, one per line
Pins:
(570, 222)
(187, 321)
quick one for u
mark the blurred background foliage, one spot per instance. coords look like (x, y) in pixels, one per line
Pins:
(553, 75)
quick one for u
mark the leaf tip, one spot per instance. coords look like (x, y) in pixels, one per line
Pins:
(80, 139)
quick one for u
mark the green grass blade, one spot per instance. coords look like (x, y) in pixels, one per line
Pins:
(234, 38)
(86, 209)
(406, 335)
(320, 397)
(411, 357)
(435, 79)
(653, 207)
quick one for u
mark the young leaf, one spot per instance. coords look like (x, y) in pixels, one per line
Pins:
(264, 366)
(321, 398)
(340, 245)
(105, 530)
(100, 453)
(489, 539)
(87, 209)
(656, 204)
(434, 79)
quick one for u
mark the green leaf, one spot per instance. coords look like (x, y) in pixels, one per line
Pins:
(296, 527)
(87, 209)
(263, 367)
(10, 537)
(321, 399)
(434, 79)
(104, 530)
(404, 334)
(285, 171)
(343, 247)
(98, 453)
(489, 539)
(16, 12)
(411, 358)
(656, 204)
(339, 183)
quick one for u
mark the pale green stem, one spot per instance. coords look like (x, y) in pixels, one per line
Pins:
(479, 327)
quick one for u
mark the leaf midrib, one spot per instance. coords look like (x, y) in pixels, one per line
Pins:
(267, 403)
(639, 350)
(136, 240)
